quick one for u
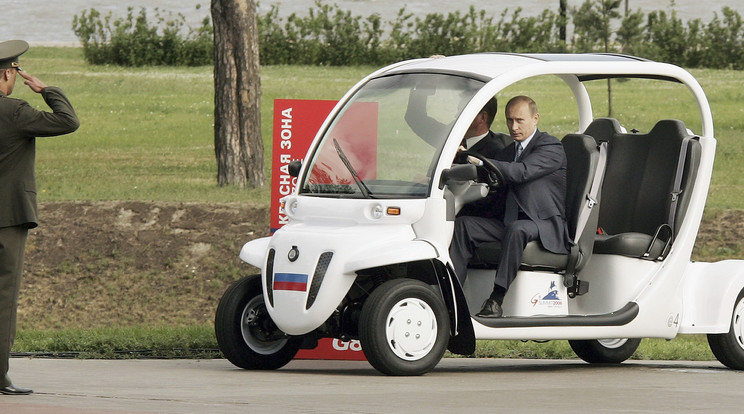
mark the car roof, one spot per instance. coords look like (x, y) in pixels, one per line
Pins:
(506, 68)
(586, 66)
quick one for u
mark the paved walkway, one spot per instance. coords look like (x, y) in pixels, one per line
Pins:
(66, 386)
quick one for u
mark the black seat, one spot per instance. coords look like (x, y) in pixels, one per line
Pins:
(582, 161)
(603, 129)
(640, 214)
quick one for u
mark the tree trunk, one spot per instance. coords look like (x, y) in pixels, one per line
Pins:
(562, 7)
(237, 94)
(609, 80)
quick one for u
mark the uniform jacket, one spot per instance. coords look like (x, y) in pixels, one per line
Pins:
(20, 124)
(538, 180)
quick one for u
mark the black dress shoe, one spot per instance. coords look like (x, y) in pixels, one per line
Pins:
(13, 390)
(491, 309)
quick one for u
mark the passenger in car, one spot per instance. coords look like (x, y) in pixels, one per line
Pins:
(534, 168)
(478, 138)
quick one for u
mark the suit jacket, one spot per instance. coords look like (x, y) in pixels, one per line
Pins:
(20, 124)
(491, 144)
(490, 206)
(538, 180)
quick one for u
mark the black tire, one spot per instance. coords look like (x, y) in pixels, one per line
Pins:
(729, 347)
(404, 328)
(246, 334)
(605, 351)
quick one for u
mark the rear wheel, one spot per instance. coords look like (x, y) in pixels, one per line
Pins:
(729, 347)
(605, 351)
(404, 328)
(246, 334)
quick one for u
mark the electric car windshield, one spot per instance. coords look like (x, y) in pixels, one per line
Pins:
(386, 140)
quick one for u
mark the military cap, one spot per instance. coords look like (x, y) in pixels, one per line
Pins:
(9, 52)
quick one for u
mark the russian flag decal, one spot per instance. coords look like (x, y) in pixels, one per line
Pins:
(290, 281)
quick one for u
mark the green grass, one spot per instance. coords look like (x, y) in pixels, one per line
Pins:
(147, 133)
(118, 343)
(684, 347)
(199, 342)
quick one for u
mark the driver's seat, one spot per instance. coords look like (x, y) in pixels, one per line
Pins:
(583, 160)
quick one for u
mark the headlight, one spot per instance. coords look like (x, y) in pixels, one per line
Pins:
(377, 211)
(292, 207)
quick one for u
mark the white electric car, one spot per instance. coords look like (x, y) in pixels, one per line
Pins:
(365, 252)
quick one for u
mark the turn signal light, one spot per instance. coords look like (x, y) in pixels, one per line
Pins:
(393, 211)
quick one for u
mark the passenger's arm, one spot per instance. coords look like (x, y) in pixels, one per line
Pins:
(426, 127)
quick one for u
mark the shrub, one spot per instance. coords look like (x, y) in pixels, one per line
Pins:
(329, 35)
(725, 40)
(133, 41)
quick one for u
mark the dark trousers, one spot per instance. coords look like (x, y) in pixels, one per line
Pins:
(472, 231)
(12, 251)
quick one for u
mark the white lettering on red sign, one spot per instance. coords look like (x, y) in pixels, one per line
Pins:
(353, 345)
(286, 132)
(286, 182)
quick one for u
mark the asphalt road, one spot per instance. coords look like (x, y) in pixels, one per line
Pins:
(66, 386)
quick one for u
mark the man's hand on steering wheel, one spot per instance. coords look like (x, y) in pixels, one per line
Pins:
(495, 177)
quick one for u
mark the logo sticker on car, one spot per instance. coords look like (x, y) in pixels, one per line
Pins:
(290, 281)
(551, 300)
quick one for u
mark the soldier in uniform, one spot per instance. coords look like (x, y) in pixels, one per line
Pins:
(20, 124)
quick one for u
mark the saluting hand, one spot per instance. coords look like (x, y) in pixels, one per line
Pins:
(33, 82)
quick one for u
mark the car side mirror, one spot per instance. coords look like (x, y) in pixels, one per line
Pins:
(458, 172)
(294, 168)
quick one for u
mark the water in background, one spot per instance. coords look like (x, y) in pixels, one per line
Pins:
(50, 22)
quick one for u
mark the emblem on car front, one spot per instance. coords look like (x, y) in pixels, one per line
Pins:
(293, 254)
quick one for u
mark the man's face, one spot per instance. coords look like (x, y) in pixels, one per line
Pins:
(479, 125)
(520, 121)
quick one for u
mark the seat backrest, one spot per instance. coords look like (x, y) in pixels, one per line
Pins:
(603, 129)
(640, 176)
(582, 157)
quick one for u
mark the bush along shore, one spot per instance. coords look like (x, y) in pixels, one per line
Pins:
(329, 35)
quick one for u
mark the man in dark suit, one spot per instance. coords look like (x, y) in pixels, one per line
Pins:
(478, 138)
(20, 124)
(534, 169)
(488, 145)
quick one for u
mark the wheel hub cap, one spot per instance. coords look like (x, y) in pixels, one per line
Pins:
(253, 332)
(738, 323)
(613, 343)
(411, 329)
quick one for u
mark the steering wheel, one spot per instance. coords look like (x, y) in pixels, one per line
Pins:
(495, 177)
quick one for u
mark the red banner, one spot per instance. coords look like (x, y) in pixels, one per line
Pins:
(296, 122)
(356, 134)
(332, 348)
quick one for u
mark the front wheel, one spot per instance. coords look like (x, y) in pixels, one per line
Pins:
(245, 332)
(404, 328)
(729, 347)
(605, 351)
